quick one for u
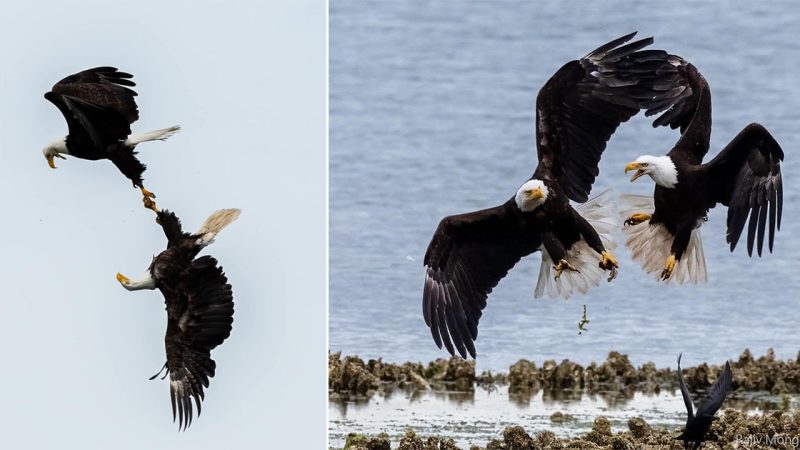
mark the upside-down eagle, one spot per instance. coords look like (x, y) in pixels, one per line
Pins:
(99, 108)
(199, 304)
(663, 231)
(577, 110)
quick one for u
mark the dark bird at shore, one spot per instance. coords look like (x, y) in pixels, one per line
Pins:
(199, 304)
(577, 111)
(663, 231)
(698, 424)
(99, 108)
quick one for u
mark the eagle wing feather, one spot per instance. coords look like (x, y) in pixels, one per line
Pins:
(466, 258)
(583, 103)
(206, 323)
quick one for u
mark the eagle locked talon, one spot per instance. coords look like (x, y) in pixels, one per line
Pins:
(562, 266)
(668, 267)
(610, 263)
(147, 199)
(636, 219)
(147, 193)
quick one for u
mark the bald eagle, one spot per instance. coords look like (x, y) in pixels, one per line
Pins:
(199, 304)
(663, 231)
(577, 110)
(99, 108)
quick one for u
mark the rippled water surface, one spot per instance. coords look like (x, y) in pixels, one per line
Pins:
(431, 114)
(473, 418)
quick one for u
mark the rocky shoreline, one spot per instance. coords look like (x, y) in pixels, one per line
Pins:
(734, 430)
(352, 377)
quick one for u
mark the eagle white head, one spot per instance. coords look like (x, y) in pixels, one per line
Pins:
(660, 168)
(531, 195)
(146, 282)
(54, 150)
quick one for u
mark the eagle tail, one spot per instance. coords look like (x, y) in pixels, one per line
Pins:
(651, 245)
(155, 135)
(601, 214)
(214, 224)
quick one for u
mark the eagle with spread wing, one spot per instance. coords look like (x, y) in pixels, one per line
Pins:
(663, 231)
(199, 304)
(99, 107)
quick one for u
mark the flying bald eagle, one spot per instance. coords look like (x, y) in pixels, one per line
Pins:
(577, 111)
(99, 109)
(199, 304)
(663, 231)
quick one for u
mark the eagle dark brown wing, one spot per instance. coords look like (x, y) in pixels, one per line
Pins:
(717, 394)
(466, 258)
(102, 87)
(686, 105)
(584, 102)
(746, 177)
(687, 399)
(204, 324)
(98, 107)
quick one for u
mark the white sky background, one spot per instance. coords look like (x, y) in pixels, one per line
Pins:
(246, 81)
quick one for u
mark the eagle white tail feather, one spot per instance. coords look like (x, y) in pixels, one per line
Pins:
(155, 135)
(601, 214)
(214, 224)
(650, 245)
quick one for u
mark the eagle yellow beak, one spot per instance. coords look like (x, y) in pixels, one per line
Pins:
(122, 278)
(637, 167)
(536, 194)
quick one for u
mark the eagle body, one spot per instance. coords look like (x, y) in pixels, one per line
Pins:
(688, 210)
(560, 225)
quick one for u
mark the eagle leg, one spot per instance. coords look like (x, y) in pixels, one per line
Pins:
(147, 199)
(636, 219)
(562, 266)
(609, 262)
(668, 267)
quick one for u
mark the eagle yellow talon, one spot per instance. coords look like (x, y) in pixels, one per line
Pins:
(147, 199)
(562, 266)
(150, 204)
(122, 278)
(147, 193)
(668, 268)
(636, 219)
(609, 263)
(51, 160)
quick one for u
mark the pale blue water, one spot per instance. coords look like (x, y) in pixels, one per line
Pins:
(432, 114)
